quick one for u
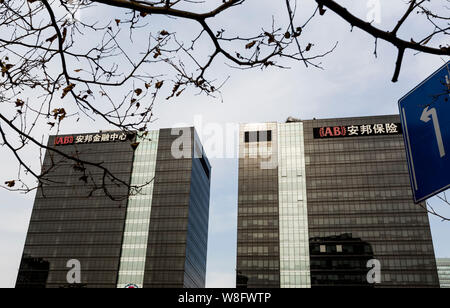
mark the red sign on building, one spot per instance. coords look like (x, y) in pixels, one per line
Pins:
(64, 140)
(358, 130)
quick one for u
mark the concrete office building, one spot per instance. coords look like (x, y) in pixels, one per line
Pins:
(152, 237)
(320, 200)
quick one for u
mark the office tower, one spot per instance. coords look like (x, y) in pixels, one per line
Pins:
(443, 267)
(329, 203)
(151, 232)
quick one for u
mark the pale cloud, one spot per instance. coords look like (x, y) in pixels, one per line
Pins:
(223, 216)
(221, 280)
(15, 212)
(10, 261)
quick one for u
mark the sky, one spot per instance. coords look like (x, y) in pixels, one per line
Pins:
(353, 83)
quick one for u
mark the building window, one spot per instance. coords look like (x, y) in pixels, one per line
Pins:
(323, 248)
(338, 248)
(258, 136)
(264, 136)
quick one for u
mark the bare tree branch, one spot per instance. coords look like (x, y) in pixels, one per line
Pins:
(387, 36)
(58, 69)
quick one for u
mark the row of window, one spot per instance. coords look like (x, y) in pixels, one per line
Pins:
(100, 238)
(257, 223)
(354, 144)
(267, 250)
(76, 203)
(355, 157)
(74, 226)
(258, 264)
(367, 221)
(366, 207)
(74, 251)
(92, 216)
(362, 194)
(357, 181)
(347, 168)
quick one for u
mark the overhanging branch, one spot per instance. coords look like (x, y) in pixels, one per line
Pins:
(387, 36)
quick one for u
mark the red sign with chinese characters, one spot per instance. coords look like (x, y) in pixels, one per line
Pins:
(358, 130)
(64, 140)
(94, 138)
(336, 131)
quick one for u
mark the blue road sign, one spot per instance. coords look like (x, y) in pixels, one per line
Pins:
(425, 116)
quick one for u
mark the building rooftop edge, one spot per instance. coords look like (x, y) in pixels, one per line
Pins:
(115, 131)
(322, 119)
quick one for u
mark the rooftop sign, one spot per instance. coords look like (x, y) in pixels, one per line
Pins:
(363, 130)
(91, 138)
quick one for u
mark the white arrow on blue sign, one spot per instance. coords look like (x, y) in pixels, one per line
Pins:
(425, 115)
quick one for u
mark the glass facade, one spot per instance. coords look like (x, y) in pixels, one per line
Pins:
(258, 251)
(342, 203)
(137, 223)
(443, 266)
(198, 216)
(359, 197)
(71, 221)
(294, 242)
(176, 254)
(156, 237)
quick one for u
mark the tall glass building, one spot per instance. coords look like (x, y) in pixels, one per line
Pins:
(154, 236)
(328, 203)
(443, 267)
